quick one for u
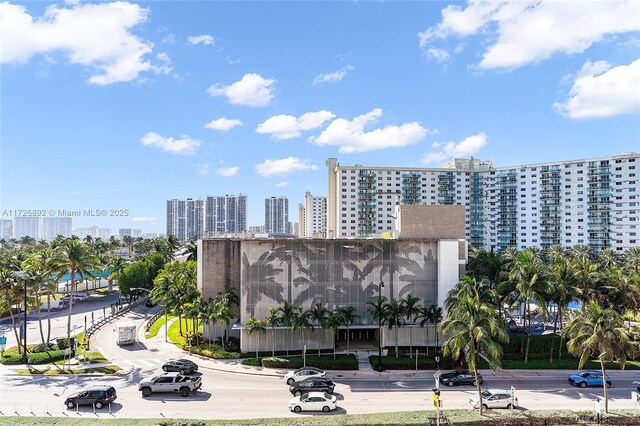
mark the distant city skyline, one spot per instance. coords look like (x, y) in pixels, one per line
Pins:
(186, 99)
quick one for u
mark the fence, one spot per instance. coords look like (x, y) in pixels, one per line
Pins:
(153, 319)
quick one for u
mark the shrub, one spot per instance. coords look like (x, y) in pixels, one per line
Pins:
(44, 347)
(46, 357)
(11, 359)
(342, 362)
(214, 351)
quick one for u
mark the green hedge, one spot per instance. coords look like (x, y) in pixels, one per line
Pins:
(211, 351)
(342, 362)
(34, 358)
(537, 344)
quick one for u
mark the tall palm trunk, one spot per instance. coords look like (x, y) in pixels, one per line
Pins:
(73, 283)
(396, 327)
(528, 319)
(273, 346)
(348, 336)
(39, 310)
(475, 373)
(604, 385)
(49, 316)
(15, 329)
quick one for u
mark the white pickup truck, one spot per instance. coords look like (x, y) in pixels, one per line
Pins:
(125, 333)
(170, 382)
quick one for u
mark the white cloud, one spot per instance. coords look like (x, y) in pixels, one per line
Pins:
(203, 168)
(204, 39)
(228, 171)
(600, 90)
(334, 76)
(282, 184)
(448, 150)
(523, 32)
(252, 90)
(440, 55)
(350, 135)
(289, 127)
(283, 166)
(183, 146)
(144, 219)
(223, 124)
(96, 36)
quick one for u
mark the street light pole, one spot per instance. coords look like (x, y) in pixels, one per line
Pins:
(380, 287)
(24, 326)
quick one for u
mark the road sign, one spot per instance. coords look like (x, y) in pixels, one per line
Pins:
(3, 343)
(597, 406)
(436, 401)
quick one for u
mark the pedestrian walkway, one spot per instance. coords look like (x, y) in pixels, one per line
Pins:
(364, 364)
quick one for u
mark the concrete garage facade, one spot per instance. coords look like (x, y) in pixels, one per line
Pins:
(334, 273)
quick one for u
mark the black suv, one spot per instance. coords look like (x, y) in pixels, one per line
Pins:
(463, 377)
(183, 366)
(97, 395)
(312, 385)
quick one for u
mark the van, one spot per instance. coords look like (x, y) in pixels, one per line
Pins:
(54, 305)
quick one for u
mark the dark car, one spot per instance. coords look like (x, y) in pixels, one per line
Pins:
(98, 396)
(150, 303)
(312, 385)
(463, 377)
(183, 366)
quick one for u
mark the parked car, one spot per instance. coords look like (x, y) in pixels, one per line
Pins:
(97, 395)
(77, 297)
(170, 382)
(313, 401)
(312, 385)
(183, 366)
(463, 377)
(494, 398)
(303, 373)
(588, 378)
(150, 303)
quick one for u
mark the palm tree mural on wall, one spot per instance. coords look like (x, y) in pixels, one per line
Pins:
(392, 257)
(264, 272)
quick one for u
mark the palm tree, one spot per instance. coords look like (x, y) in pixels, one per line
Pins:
(412, 310)
(334, 322)
(599, 331)
(632, 258)
(192, 250)
(274, 321)
(10, 297)
(609, 257)
(74, 257)
(587, 274)
(377, 312)
(255, 325)
(528, 275)
(563, 289)
(348, 315)
(288, 318)
(300, 322)
(474, 330)
(318, 314)
(116, 265)
(394, 313)
(431, 314)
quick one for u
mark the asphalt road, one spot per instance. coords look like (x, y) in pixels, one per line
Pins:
(93, 305)
(227, 395)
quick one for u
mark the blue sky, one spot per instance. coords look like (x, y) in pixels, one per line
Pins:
(125, 105)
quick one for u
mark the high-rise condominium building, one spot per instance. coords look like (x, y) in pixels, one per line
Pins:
(26, 226)
(129, 232)
(225, 214)
(276, 215)
(51, 227)
(591, 201)
(93, 232)
(313, 215)
(6, 229)
(195, 218)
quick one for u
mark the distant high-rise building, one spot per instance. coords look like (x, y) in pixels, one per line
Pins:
(276, 215)
(26, 226)
(225, 214)
(150, 235)
(257, 229)
(93, 232)
(6, 229)
(130, 232)
(54, 226)
(195, 218)
(313, 215)
(177, 219)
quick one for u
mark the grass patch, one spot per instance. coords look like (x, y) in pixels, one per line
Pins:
(156, 326)
(563, 364)
(403, 362)
(455, 417)
(107, 369)
(174, 331)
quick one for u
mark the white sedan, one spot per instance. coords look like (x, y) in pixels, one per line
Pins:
(494, 398)
(313, 401)
(303, 373)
